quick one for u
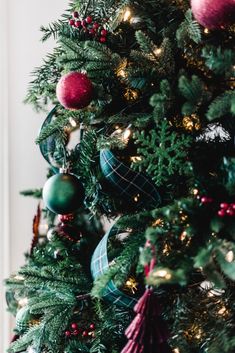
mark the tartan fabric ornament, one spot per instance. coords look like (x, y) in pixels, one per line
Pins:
(48, 145)
(100, 264)
(130, 184)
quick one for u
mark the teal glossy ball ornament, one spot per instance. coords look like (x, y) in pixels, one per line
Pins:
(63, 193)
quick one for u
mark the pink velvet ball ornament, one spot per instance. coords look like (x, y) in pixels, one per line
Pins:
(214, 14)
(74, 90)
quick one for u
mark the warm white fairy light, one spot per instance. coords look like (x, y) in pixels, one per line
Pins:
(122, 73)
(136, 198)
(126, 134)
(206, 30)
(23, 302)
(222, 311)
(162, 274)
(158, 51)
(229, 256)
(72, 122)
(199, 334)
(127, 14)
(183, 236)
(176, 350)
(136, 159)
(19, 278)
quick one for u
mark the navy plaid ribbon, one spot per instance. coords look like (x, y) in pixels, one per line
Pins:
(131, 185)
(100, 264)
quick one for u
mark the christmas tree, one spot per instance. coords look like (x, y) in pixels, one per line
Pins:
(145, 89)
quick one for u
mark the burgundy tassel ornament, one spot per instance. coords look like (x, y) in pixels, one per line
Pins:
(147, 333)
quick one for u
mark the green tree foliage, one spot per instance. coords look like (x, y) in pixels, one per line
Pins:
(156, 73)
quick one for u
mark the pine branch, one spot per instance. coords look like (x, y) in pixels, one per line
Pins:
(189, 30)
(36, 193)
(194, 91)
(222, 106)
(220, 61)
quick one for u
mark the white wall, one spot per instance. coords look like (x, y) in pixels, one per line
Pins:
(24, 166)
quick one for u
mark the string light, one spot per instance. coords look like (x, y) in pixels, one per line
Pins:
(166, 250)
(136, 159)
(184, 218)
(183, 235)
(229, 256)
(19, 278)
(72, 122)
(199, 334)
(136, 198)
(157, 51)
(162, 274)
(195, 192)
(176, 350)
(223, 311)
(120, 71)
(127, 14)
(126, 134)
(23, 302)
(206, 31)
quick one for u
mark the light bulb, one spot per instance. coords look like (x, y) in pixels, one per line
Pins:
(72, 122)
(127, 15)
(229, 256)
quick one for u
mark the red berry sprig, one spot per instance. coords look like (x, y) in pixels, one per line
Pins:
(206, 200)
(226, 209)
(85, 333)
(66, 218)
(87, 25)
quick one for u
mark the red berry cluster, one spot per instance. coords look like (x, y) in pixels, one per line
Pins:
(67, 230)
(226, 209)
(206, 200)
(66, 218)
(89, 26)
(76, 331)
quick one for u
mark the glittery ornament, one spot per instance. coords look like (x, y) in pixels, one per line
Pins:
(74, 90)
(214, 14)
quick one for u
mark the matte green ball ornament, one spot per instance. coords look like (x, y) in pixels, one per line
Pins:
(63, 193)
